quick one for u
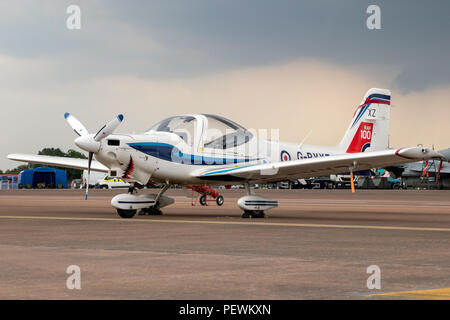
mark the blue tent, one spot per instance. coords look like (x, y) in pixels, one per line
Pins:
(49, 177)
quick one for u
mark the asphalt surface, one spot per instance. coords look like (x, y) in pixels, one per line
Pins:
(316, 245)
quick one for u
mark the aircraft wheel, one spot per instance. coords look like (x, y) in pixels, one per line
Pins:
(258, 214)
(253, 214)
(126, 213)
(154, 211)
(219, 200)
(151, 211)
(202, 200)
(246, 215)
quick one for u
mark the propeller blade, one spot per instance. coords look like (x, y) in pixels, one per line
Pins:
(75, 124)
(89, 174)
(108, 128)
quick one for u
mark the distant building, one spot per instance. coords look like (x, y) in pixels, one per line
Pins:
(42, 177)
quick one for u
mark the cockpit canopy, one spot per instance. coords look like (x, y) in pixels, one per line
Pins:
(184, 126)
(209, 131)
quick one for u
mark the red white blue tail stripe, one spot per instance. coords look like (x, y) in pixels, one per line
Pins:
(373, 98)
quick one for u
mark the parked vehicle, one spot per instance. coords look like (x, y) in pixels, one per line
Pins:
(94, 177)
(76, 184)
(283, 185)
(111, 183)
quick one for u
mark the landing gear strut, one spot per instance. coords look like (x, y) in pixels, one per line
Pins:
(132, 188)
(155, 210)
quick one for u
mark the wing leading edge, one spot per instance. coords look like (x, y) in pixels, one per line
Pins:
(64, 162)
(297, 169)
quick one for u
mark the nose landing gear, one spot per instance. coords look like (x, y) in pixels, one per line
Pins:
(127, 204)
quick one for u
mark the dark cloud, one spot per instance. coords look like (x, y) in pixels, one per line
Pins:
(198, 37)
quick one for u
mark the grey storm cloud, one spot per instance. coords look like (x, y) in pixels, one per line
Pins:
(179, 39)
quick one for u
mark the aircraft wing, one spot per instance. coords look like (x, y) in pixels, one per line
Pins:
(305, 168)
(64, 162)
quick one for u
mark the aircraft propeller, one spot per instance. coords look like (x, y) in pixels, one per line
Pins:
(91, 142)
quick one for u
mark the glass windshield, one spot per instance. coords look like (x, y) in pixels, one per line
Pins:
(183, 126)
(223, 133)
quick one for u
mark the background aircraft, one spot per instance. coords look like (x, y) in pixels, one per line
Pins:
(428, 173)
(202, 150)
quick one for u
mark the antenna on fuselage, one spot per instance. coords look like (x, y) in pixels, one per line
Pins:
(304, 139)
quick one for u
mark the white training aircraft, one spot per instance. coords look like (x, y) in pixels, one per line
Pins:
(205, 150)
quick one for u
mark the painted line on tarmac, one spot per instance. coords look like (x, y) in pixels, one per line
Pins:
(433, 294)
(252, 223)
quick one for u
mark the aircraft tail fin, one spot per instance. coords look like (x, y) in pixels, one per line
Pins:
(369, 128)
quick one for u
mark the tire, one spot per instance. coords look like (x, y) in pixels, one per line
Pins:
(155, 211)
(258, 214)
(126, 214)
(246, 214)
(253, 214)
(202, 200)
(151, 211)
(219, 200)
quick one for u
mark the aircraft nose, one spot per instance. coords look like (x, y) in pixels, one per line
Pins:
(87, 143)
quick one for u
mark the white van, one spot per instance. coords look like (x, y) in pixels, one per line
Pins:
(93, 178)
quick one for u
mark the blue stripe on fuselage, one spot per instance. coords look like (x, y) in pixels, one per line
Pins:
(171, 153)
(227, 170)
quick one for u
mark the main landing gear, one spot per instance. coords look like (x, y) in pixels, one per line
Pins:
(254, 205)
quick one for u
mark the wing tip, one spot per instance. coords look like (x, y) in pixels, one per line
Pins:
(419, 153)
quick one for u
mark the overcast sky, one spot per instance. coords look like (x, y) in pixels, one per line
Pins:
(257, 62)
